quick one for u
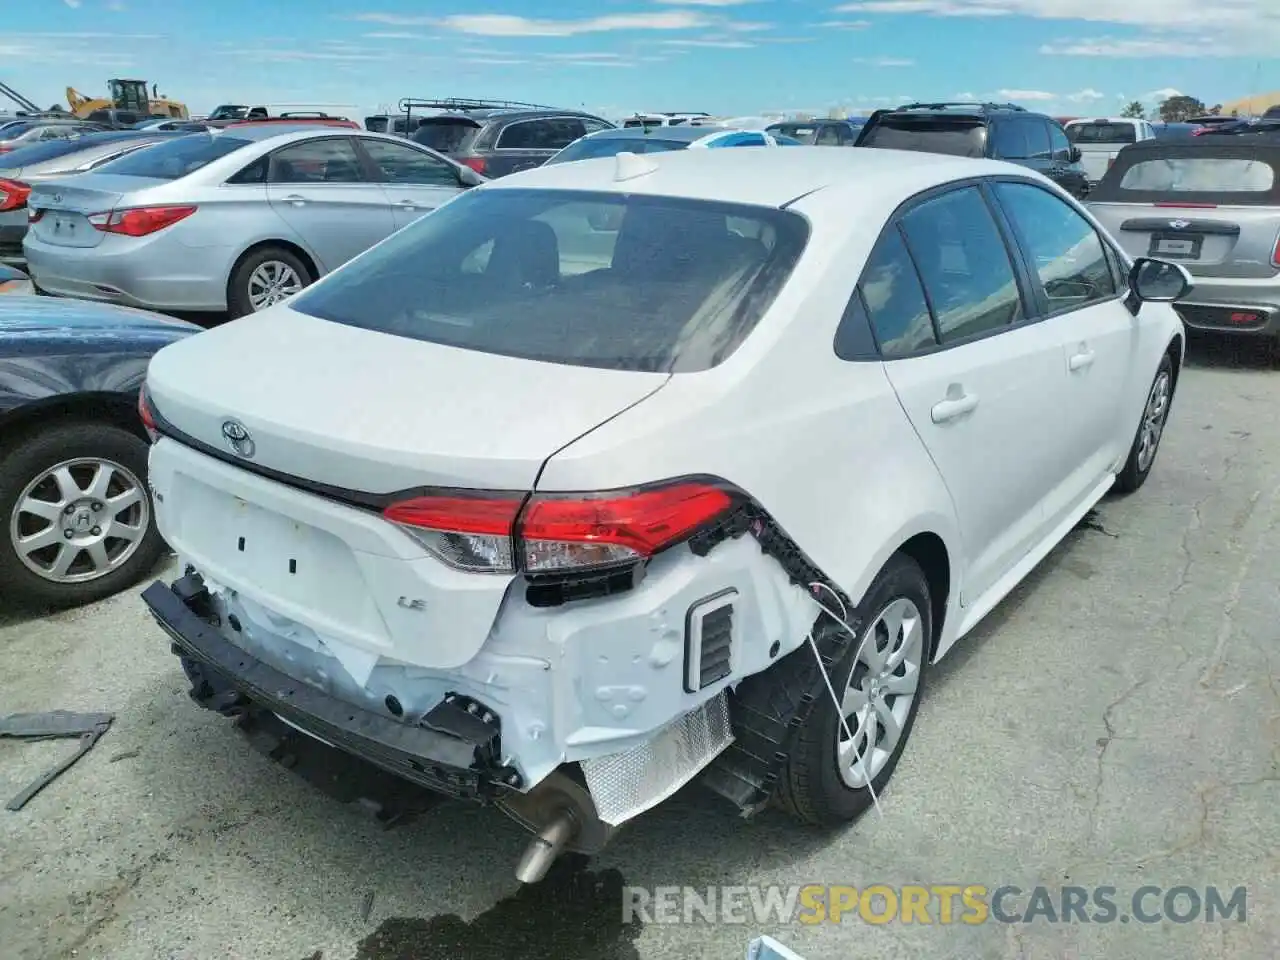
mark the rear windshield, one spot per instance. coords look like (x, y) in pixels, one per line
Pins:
(445, 136)
(52, 149)
(1199, 175)
(175, 158)
(13, 130)
(1102, 133)
(607, 280)
(928, 136)
(590, 149)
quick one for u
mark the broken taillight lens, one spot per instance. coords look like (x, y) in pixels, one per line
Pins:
(554, 533)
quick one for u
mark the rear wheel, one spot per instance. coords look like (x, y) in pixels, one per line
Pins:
(77, 516)
(265, 277)
(841, 757)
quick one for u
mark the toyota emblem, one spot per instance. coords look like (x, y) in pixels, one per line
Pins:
(238, 439)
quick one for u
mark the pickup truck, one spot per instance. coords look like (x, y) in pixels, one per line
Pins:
(1100, 140)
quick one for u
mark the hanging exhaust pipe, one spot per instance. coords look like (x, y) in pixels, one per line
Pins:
(562, 817)
(546, 846)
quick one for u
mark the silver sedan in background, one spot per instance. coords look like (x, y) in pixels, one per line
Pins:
(52, 160)
(230, 220)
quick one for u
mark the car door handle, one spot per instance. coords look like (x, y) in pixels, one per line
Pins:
(408, 204)
(953, 407)
(296, 200)
(1081, 360)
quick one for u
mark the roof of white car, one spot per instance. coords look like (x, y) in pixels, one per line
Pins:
(759, 175)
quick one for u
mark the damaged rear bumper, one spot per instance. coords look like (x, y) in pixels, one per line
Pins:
(452, 751)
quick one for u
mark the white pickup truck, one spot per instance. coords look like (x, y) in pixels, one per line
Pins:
(1100, 140)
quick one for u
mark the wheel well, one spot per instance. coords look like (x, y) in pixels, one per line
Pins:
(1175, 356)
(928, 550)
(293, 248)
(111, 408)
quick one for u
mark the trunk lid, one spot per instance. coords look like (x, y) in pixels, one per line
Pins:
(377, 413)
(67, 203)
(1227, 241)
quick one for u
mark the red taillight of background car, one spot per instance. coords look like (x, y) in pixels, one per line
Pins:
(34, 215)
(553, 533)
(139, 221)
(13, 195)
(475, 163)
(147, 414)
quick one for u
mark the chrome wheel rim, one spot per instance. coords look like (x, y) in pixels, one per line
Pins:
(271, 282)
(1153, 420)
(79, 520)
(880, 692)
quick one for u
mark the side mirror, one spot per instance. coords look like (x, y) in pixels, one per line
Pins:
(469, 178)
(1076, 154)
(1156, 281)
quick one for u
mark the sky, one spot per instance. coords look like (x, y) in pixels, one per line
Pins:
(615, 57)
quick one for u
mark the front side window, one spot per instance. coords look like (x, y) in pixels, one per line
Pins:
(1059, 143)
(895, 300)
(1037, 138)
(828, 136)
(608, 280)
(1068, 255)
(964, 264)
(316, 161)
(400, 164)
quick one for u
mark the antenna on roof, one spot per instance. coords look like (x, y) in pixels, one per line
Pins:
(633, 165)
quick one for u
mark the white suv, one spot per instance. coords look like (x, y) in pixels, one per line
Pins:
(615, 474)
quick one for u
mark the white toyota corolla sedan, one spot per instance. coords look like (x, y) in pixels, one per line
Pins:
(612, 475)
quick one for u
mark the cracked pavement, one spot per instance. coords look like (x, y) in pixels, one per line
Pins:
(1116, 721)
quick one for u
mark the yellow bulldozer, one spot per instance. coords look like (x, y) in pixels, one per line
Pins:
(127, 95)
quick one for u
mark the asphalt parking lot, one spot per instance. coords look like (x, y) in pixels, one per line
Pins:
(1115, 722)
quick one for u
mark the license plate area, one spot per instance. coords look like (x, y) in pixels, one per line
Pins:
(1177, 246)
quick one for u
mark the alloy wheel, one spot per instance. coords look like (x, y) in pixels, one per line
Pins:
(1153, 420)
(271, 282)
(878, 697)
(79, 520)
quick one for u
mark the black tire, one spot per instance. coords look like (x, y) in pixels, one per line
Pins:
(1134, 474)
(811, 787)
(238, 301)
(39, 451)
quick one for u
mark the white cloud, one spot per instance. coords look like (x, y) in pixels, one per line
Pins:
(1134, 48)
(746, 26)
(964, 97)
(1086, 96)
(73, 4)
(710, 42)
(508, 25)
(601, 59)
(1163, 94)
(291, 56)
(884, 61)
(1037, 96)
(844, 24)
(705, 3)
(397, 35)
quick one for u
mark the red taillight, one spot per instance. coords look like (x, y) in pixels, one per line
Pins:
(13, 195)
(475, 163)
(147, 414)
(554, 533)
(139, 221)
(1183, 203)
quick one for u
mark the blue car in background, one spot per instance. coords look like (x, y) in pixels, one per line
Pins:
(610, 143)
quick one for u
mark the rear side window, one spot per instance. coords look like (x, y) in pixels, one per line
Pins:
(553, 133)
(608, 280)
(925, 135)
(174, 158)
(964, 264)
(895, 300)
(1102, 133)
(1069, 258)
(1199, 175)
(316, 161)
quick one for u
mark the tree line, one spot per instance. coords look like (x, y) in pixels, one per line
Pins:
(1177, 109)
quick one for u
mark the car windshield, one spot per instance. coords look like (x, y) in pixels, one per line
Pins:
(1086, 133)
(52, 149)
(928, 136)
(229, 111)
(443, 135)
(1199, 175)
(608, 280)
(175, 158)
(589, 148)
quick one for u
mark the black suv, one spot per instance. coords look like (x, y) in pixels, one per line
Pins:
(818, 133)
(498, 137)
(999, 131)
